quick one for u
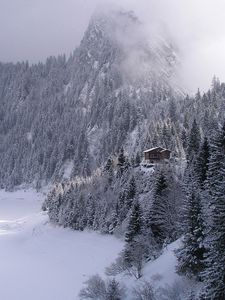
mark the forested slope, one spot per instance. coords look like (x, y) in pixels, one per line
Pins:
(84, 108)
(152, 207)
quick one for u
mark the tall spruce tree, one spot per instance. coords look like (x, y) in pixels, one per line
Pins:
(114, 291)
(154, 220)
(137, 159)
(160, 184)
(202, 162)
(194, 141)
(135, 222)
(121, 162)
(214, 275)
(121, 157)
(191, 255)
(108, 170)
(134, 253)
(131, 192)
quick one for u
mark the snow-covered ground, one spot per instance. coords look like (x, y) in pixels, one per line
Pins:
(14, 205)
(160, 273)
(162, 270)
(40, 261)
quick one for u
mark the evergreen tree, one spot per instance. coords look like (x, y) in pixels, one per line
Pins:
(194, 141)
(135, 251)
(173, 110)
(122, 209)
(121, 162)
(109, 165)
(114, 291)
(160, 184)
(121, 158)
(108, 170)
(157, 210)
(202, 161)
(184, 138)
(163, 215)
(137, 159)
(135, 222)
(86, 171)
(166, 136)
(69, 150)
(214, 276)
(186, 121)
(215, 84)
(191, 254)
(131, 192)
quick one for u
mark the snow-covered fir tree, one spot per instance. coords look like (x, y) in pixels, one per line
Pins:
(214, 275)
(191, 254)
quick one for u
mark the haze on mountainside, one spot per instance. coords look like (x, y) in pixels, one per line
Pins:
(34, 30)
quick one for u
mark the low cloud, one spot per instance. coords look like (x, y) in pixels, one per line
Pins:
(34, 29)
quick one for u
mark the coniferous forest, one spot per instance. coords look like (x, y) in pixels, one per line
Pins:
(81, 124)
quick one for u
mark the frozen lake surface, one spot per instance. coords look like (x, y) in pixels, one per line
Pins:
(41, 261)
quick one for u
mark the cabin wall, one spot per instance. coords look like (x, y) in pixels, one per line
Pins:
(154, 156)
(165, 155)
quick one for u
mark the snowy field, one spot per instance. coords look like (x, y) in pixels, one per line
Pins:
(40, 261)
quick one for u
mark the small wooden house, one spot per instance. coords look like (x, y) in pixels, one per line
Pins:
(156, 155)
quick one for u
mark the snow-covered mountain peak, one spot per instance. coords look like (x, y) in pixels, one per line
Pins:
(117, 37)
(109, 21)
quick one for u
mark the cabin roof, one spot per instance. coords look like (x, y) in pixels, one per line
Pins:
(158, 149)
(153, 149)
(165, 150)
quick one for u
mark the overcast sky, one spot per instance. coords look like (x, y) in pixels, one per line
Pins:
(34, 29)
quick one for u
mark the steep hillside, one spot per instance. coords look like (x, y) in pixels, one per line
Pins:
(80, 110)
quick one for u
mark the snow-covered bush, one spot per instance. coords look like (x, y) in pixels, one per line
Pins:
(144, 291)
(98, 289)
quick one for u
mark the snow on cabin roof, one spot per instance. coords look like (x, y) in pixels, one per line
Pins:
(165, 150)
(155, 148)
(160, 149)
